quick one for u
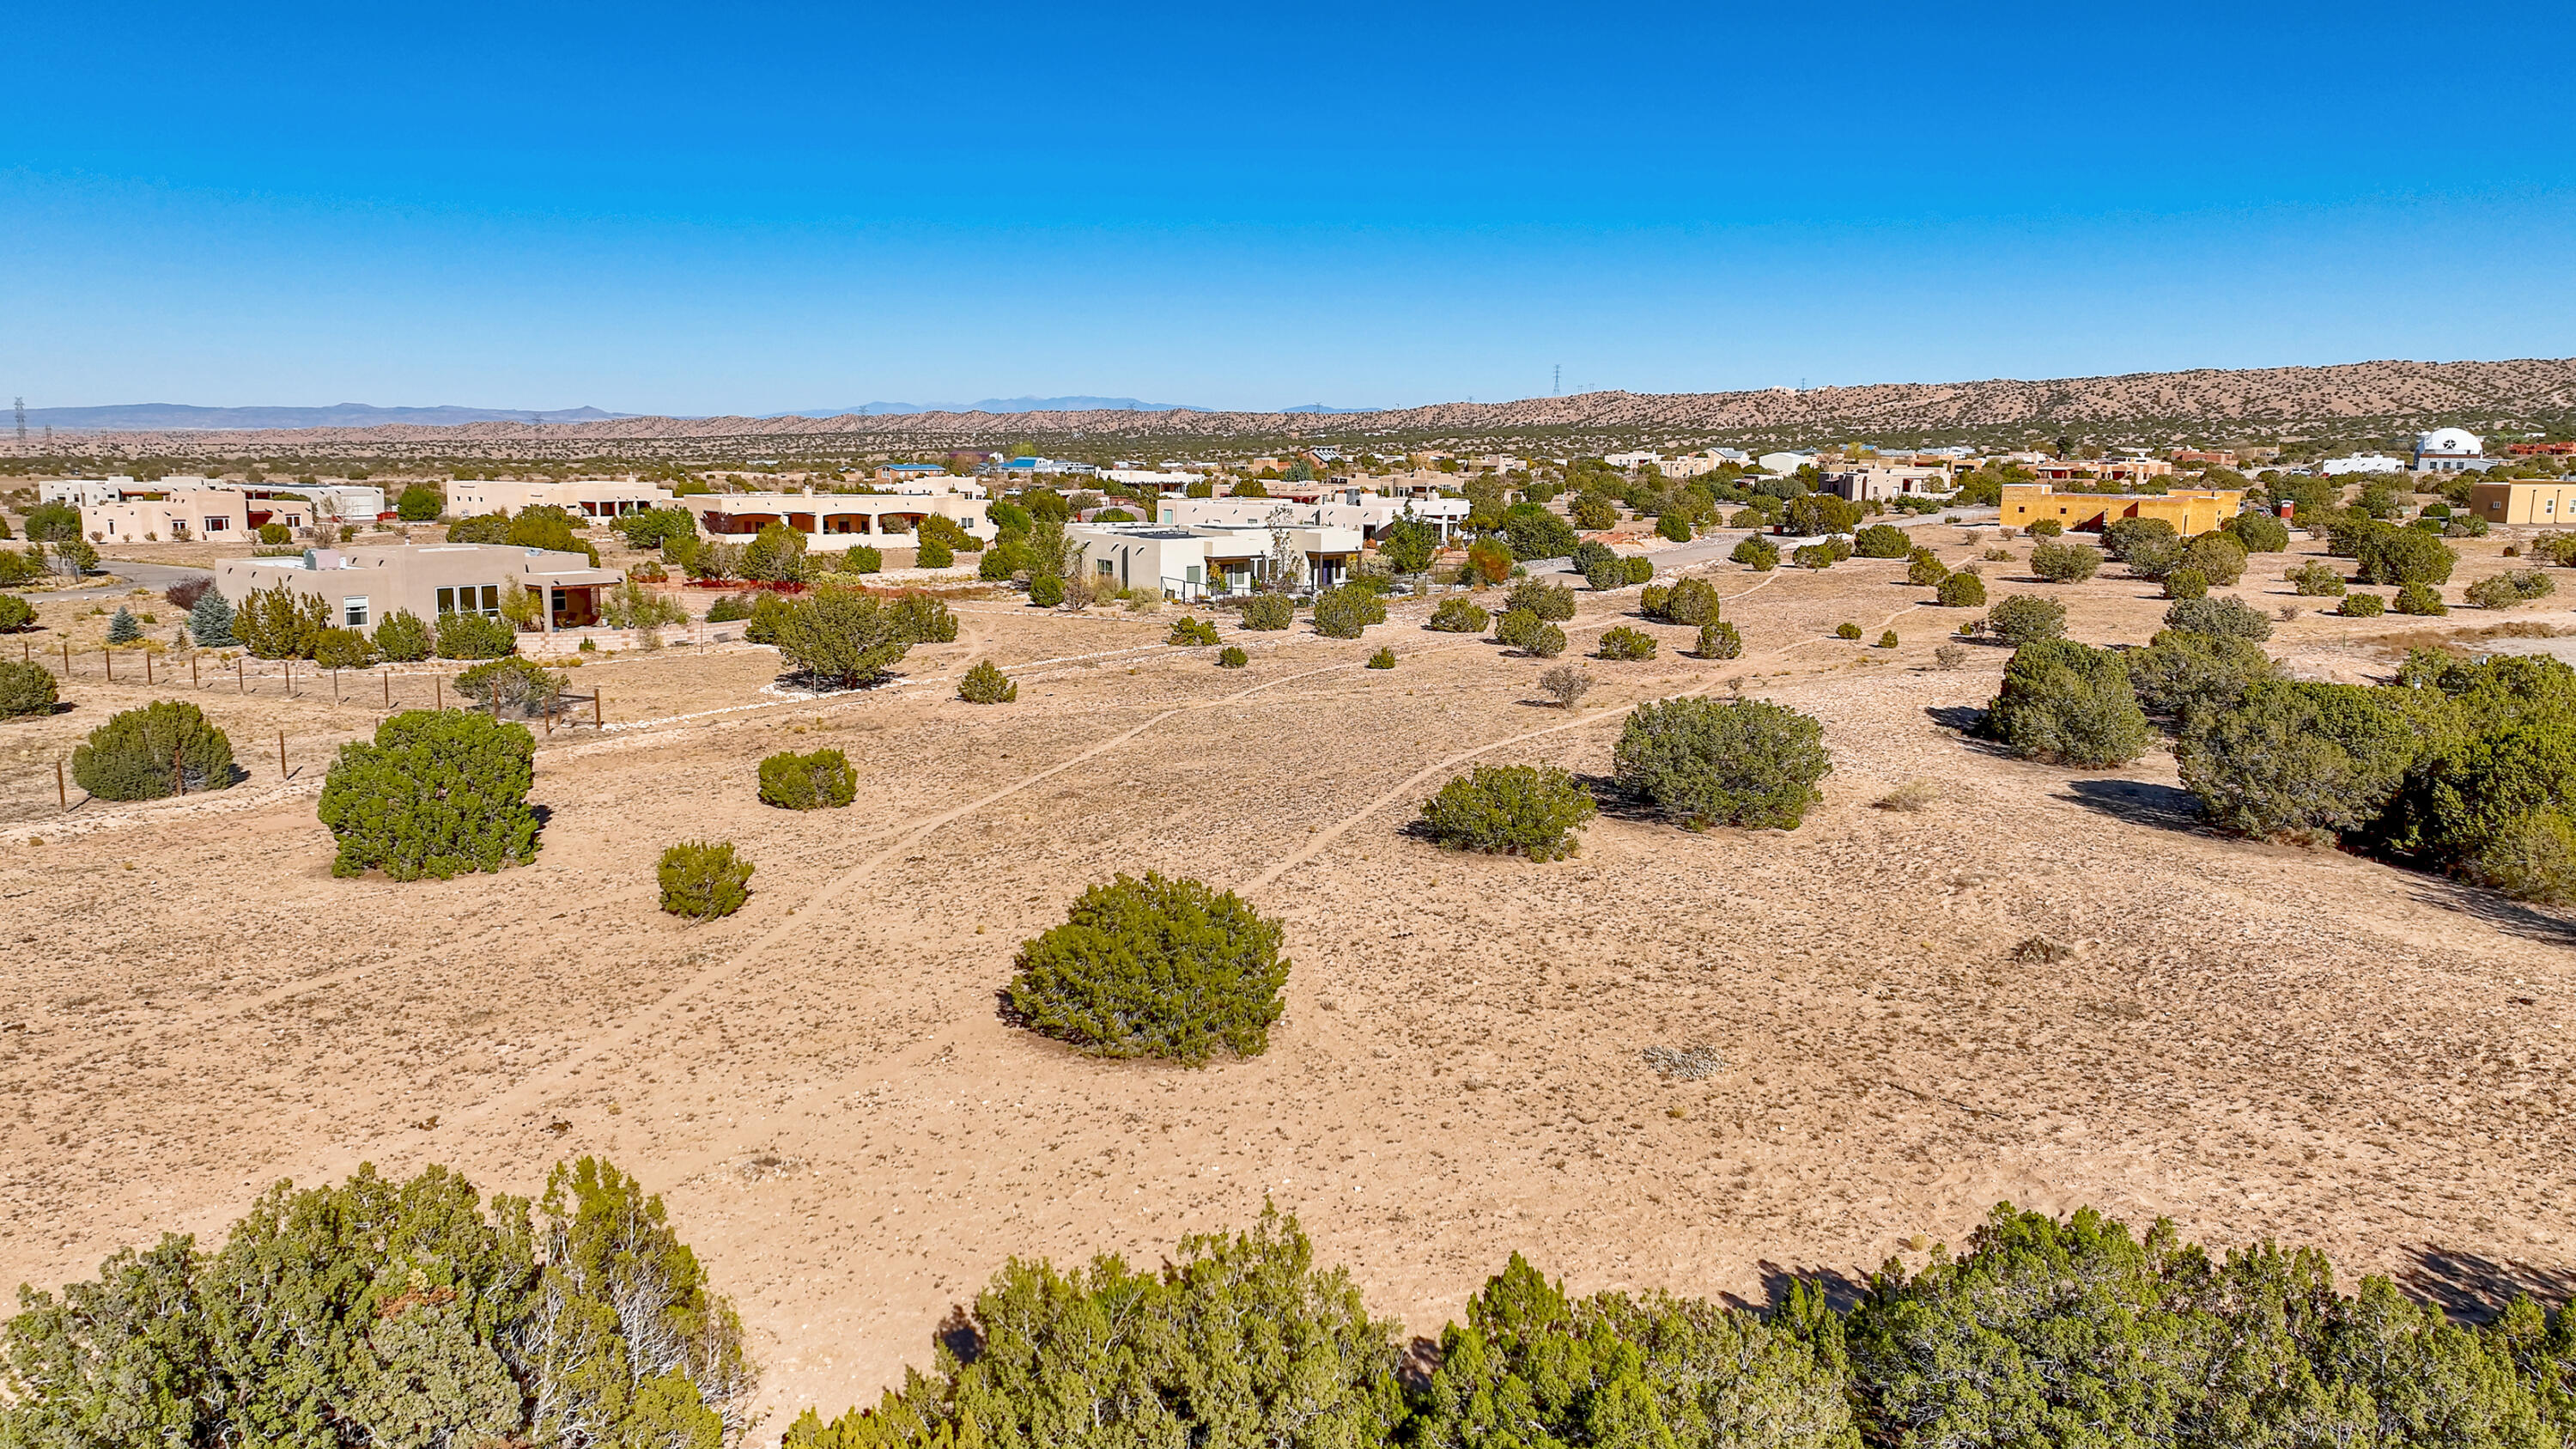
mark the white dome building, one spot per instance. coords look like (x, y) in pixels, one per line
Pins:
(2448, 450)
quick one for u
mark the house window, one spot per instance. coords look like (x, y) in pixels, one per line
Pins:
(1108, 567)
(353, 612)
(447, 601)
(492, 600)
(218, 525)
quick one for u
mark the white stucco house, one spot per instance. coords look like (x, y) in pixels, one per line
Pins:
(2449, 450)
(2361, 463)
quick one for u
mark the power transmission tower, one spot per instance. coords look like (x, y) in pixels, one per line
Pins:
(22, 422)
(1556, 381)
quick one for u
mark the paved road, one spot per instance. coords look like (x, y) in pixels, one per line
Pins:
(155, 577)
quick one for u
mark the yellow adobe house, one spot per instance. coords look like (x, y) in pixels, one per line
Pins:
(2549, 502)
(2189, 510)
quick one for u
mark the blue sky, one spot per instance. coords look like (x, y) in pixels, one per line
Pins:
(755, 208)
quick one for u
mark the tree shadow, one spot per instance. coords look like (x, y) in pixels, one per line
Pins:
(960, 1335)
(1842, 1291)
(1422, 1359)
(2140, 802)
(2502, 912)
(2471, 1289)
(1617, 802)
(1965, 718)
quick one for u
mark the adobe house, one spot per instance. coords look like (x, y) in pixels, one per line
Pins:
(2189, 510)
(360, 586)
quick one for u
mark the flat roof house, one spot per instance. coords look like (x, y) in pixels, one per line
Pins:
(218, 515)
(2449, 450)
(580, 497)
(360, 586)
(2547, 502)
(1872, 482)
(837, 520)
(1197, 562)
(2189, 510)
(1356, 508)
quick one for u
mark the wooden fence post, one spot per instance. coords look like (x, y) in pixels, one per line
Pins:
(192, 671)
(147, 666)
(109, 655)
(290, 676)
(241, 680)
(62, 797)
(281, 754)
(595, 716)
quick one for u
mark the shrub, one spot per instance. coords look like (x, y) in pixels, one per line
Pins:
(1157, 967)
(1545, 642)
(1759, 552)
(632, 606)
(1232, 657)
(1640, 569)
(1547, 601)
(2186, 583)
(1674, 527)
(933, 553)
(2294, 760)
(822, 780)
(1457, 615)
(472, 636)
(511, 686)
(2066, 703)
(1509, 810)
(2419, 599)
(54, 523)
(2314, 580)
(986, 684)
(2026, 618)
(1046, 591)
(185, 593)
(436, 793)
(704, 880)
(1733, 762)
(1949, 656)
(2065, 563)
(343, 649)
(1924, 569)
(1487, 560)
(1687, 601)
(1626, 643)
(1719, 641)
(2359, 605)
(279, 623)
(1189, 631)
(1886, 640)
(1817, 556)
(1514, 628)
(2218, 557)
(168, 748)
(2260, 532)
(421, 503)
(274, 533)
(16, 614)
(26, 689)
(1812, 514)
(729, 607)
(2123, 536)
(2228, 618)
(2504, 590)
(865, 558)
(1591, 554)
(1593, 513)
(1270, 612)
(1882, 540)
(849, 639)
(1343, 612)
(400, 637)
(775, 555)
(1846, 630)
(1538, 534)
(2389, 555)
(1565, 684)
(210, 622)
(1961, 591)
(2182, 675)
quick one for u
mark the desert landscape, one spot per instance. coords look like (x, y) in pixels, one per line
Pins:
(1706, 1062)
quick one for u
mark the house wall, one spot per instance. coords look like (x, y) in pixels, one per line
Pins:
(212, 514)
(838, 520)
(586, 497)
(2190, 510)
(2544, 503)
(362, 586)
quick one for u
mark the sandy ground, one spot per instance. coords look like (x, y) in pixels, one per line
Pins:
(2255, 1040)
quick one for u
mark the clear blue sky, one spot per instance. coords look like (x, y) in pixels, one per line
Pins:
(762, 207)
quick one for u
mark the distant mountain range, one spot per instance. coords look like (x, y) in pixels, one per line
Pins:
(1000, 405)
(182, 417)
(179, 417)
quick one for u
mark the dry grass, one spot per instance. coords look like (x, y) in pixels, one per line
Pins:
(2256, 1041)
(1911, 796)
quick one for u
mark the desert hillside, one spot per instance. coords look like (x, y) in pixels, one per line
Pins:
(2362, 399)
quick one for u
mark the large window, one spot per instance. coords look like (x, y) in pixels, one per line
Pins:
(353, 612)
